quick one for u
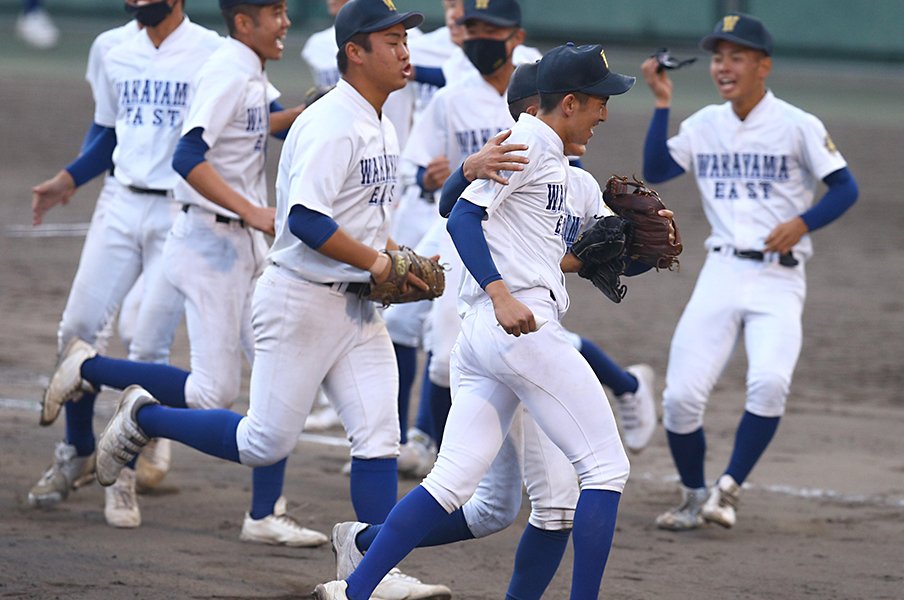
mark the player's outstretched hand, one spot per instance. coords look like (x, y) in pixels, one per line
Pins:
(48, 194)
(659, 82)
(513, 316)
(262, 218)
(785, 235)
(437, 173)
(494, 157)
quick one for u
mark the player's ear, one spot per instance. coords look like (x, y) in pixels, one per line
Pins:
(765, 67)
(569, 104)
(518, 38)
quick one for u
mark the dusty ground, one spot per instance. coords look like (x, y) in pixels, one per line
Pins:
(824, 513)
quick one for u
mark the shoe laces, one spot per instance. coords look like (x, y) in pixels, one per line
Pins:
(397, 575)
(287, 521)
(628, 410)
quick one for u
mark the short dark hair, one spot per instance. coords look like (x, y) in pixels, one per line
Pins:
(250, 10)
(359, 39)
(519, 106)
(549, 101)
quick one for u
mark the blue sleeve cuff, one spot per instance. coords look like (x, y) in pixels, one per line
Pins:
(577, 163)
(189, 152)
(452, 191)
(90, 135)
(467, 234)
(635, 267)
(277, 107)
(841, 195)
(430, 75)
(95, 159)
(658, 164)
(311, 227)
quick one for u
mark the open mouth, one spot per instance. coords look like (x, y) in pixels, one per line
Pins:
(281, 43)
(406, 71)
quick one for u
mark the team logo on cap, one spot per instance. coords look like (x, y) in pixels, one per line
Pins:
(603, 56)
(389, 4)
(482, 4)
(729, 22)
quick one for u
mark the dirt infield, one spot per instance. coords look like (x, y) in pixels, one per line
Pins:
(823, 516)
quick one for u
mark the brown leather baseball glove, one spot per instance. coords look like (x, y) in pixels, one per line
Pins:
(654, 239)
(397, 289)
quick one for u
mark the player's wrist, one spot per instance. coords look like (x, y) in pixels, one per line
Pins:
(380, 265)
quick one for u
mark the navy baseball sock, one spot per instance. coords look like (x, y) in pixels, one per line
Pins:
(406, 358)
(440, 403)
(607, 370)
(406, 525)
(163, 382)
(212, 431)
(452, 528)
(594, 526)
(80, 424)
(688, 451)
(266, 487)
(374, 488)
(424, 420)
(538, 556)
(753, 435)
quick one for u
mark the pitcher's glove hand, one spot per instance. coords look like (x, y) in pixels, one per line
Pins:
(602, 249)
(655, 239)
(398, 289)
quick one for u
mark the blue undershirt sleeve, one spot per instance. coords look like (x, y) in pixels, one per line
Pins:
(658, 164)
(576, 162)
(467, 234)
(311, 227)
(190, 151)
(90, 135)
(430, 75)
(277, 107)
(95, 159)
(452, 191)
(419, 179)
(841, 195)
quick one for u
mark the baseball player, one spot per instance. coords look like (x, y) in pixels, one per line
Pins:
(511, 349)
(757, 161)
(140, 103)
(312, 324)
(211, 257)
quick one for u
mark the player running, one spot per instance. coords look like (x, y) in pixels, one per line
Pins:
(757, 160)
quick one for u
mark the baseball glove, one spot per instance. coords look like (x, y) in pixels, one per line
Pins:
(396, 289)
(602, 249)
(655, 239)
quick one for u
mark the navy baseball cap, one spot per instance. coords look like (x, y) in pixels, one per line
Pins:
(367, 16)
(524, 83)
(224, 4)
(501, 13)
(571, 68)
(741, 29)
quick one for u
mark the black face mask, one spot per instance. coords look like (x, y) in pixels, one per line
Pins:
(485, 54)
(150, 15)
(130, 8)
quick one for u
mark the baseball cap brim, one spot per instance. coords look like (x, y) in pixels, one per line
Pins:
(408, 19)
(710, 42)
(491, 19)
(612, 84)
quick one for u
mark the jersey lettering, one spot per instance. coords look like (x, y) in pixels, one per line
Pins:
(168, 99)
(555, 197)
(256, 119)
(379, 169)
(570, 229)
(742, 166)
(472, 140)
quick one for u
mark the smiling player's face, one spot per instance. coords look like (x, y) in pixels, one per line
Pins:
(586, 116)
(268, 32)
(739, 72)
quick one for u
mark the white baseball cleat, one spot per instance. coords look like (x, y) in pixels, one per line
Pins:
(347, 554)
(399, 586)
(66, 383)
(417, 455)
(37, 29)
(68, 472)
(280, 530)
(153, 463)
(637, 410)
(722, 505)
(121, 502)
(331, 590)
(122, 438)
(686, 515)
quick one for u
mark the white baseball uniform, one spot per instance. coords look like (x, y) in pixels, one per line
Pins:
(493, 373)
(320, 54)
(752, 175)
(143, 93)
(339, 159)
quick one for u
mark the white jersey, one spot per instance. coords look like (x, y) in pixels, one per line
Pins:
(430, 50)
(756, 173)
(460, 119)
(99, 48)
(458, 66)
(320, 53)
(526, 217)
(146, 94)
(584, 203)
(231, 105)
(339, 159)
